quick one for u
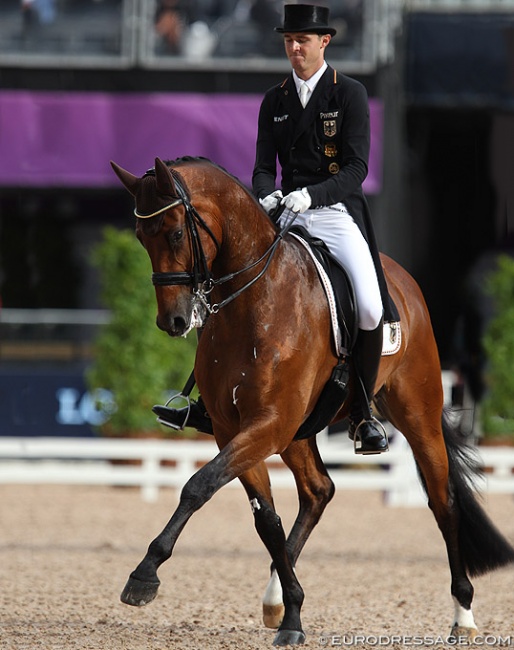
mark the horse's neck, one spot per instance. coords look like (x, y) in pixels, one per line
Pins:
(247, 235)
(247, 232)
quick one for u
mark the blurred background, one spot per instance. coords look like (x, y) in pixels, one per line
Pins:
(86, 81)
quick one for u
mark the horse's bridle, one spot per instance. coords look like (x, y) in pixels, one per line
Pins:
(200, 279)
(200, 275)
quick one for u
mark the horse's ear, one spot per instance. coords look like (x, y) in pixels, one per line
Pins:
(130, 181)
(165, 184)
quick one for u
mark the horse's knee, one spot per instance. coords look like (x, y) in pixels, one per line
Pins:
(203, 484)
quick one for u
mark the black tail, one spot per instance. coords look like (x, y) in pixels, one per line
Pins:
(482, 546)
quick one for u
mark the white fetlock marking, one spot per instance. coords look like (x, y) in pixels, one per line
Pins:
(273, 593)
(463, 617)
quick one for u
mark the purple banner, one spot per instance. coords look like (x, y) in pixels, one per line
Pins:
(59, 139)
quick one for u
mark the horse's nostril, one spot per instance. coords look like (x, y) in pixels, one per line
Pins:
(179, 324)
(174, 326)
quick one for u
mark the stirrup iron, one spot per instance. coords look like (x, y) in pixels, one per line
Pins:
(176, 427)
(357, 442)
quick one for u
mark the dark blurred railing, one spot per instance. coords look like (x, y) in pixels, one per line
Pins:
(175, 34)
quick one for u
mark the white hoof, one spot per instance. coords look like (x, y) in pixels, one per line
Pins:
(272, 615)
(463, 635)
(272, 603)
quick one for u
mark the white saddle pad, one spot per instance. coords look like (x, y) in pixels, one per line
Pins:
(392, 331)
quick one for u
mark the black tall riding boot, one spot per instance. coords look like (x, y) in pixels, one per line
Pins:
(367, 432)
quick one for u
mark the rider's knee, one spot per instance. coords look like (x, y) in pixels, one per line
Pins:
(370, 317)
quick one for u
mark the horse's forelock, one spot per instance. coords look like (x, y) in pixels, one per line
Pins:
(149, 200)
(150, 227)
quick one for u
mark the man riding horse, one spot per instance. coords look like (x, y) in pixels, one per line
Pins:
(316, 122)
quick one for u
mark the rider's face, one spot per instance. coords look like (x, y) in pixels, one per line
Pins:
(306, 52)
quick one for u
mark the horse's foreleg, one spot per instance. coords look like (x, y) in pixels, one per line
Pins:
(238, 457)
(143, 583)
(315, 490)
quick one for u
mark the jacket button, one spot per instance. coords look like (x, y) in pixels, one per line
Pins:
(295, 171)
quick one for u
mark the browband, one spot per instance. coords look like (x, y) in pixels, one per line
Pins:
(176, 202)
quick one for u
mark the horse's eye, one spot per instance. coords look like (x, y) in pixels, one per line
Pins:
(176, 236)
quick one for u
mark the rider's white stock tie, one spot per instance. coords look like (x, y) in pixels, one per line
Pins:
(304, 94)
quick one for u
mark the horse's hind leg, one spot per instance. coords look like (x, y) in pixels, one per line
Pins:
(422, 428)
(271, 532)
(473, 543)
(315, 489)
(443, 501)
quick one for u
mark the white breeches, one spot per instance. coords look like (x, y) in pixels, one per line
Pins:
(336, 227)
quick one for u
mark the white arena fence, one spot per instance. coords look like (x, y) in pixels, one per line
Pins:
(154, 464)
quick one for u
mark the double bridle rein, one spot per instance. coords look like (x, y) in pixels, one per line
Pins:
(200, 279)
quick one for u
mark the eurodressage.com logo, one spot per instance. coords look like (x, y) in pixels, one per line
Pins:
(382, 641)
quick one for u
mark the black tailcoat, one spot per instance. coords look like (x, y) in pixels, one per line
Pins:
(324, 147)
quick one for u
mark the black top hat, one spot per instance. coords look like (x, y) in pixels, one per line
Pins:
(306, 18)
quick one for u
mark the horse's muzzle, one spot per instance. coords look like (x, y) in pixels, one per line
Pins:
(181, 321)
(173, 325)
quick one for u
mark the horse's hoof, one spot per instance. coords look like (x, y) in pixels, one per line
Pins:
(273, 615)
(464, 634)
(139, 593)
(289, 637)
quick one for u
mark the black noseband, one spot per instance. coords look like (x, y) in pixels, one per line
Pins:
(168, 279)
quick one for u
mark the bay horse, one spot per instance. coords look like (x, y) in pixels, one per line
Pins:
(262, 361)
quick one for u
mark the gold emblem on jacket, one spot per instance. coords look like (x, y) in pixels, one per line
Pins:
(329, 128)
(330, 150)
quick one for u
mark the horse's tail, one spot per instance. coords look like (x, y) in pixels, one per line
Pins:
(483, 548)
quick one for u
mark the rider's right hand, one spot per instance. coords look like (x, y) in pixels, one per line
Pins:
(270, 202)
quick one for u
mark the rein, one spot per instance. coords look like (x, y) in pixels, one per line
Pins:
(200, 279)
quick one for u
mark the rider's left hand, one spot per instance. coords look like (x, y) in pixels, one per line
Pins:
(297, 201)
